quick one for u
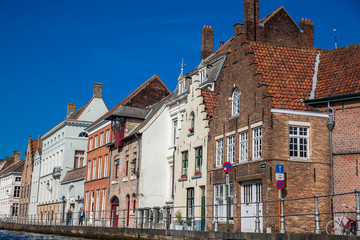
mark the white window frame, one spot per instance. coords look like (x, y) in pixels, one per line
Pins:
(94, 169)
(230, 148)
(219, 152)
(175, 131)
(220, 199)
(97, 213)
(299, 138)
(107, 136)
(101, 139)
(235, 102)
(243, 146)
(96, 141)
(103, 201)
(100, 167)
(91, 144)
(257, 143)
(181, 86)
(106, 165)
(202, 76)
(89, 171)
(87, 201)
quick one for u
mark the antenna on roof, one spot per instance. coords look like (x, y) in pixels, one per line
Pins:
(335, 38)
(182, 67)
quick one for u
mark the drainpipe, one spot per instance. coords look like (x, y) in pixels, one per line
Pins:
(330, 125)
(137, 176)
(173, 176)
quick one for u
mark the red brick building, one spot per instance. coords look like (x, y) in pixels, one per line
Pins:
(261, 120)
(24, 199)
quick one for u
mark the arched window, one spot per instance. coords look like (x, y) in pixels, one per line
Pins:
(235, 102)
(83, 134)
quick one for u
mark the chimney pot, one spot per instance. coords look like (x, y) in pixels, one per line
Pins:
(71, 108)
(207, 42)
(97, 90)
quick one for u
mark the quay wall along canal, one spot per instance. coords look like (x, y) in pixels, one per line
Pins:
(107, 233)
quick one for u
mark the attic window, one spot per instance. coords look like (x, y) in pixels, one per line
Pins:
(181, 87)
(202, 76)
(83, 134)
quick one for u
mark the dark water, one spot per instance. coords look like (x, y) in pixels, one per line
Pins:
(15, 235)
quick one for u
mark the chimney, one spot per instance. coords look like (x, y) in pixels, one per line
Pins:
(97, 90)
(16, 156)
(207, 42)
(221, 43)
(238, 29)
(307, 37)
(251, 19)
(71, 108)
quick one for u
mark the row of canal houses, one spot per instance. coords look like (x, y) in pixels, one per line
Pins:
(265, 97)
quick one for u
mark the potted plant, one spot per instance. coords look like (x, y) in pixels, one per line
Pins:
(191, 130)
(178, 220)
(188, 223)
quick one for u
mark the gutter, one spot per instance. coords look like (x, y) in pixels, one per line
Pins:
(351, 96)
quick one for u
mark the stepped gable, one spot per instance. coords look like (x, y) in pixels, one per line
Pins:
(339, 72)
(72, 175)
(209, 99)
(287, 72)
(34, 144)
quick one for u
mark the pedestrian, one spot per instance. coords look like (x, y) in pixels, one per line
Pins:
(81, 216)
(68, 217)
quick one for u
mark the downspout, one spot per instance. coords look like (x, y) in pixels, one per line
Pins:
(109, 177)
(173, 176)
(137, 178)
(330, 125)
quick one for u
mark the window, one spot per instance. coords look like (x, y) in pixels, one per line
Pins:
(231, 149)
(198, 159)
(175, 130)
(181, 86)
(184, 163)
(94, 169)
(103, 203)
(24, 196)
(189, 202)
(79, 159)
(87, 201)
(16, 191)
(28, 192)
(82, 134)
(106, 164)
(116, 168)
(89, 171)
(107, 136)
(101, 139)
(91, 144)
(220, 199)
(100, 167)
(21, 194)
(235, 102)
(202, 76)
(18, 179)
(97, 214)
(15, 209)
(257, 143)
(219, 152)
(243, 146)
(126, 165)
(96, 142)
(299, 142)
(192, 123)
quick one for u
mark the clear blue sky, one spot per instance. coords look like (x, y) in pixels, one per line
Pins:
(51, 52)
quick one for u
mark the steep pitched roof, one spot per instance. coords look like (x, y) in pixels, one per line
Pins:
(77, 113)
(223, 49)
(209, 99)
(74, 174)
(15, 167)
(339, 72)
(287, 72)
(130, 96)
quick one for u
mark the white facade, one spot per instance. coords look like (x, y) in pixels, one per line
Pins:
(10, 184)
(155, 185)
(35, 185)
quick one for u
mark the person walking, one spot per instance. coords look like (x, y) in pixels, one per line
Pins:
(68, 217)
(81, 216)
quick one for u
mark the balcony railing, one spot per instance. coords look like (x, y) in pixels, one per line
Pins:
(56, 172)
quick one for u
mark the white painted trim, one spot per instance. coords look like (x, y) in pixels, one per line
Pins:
(104, 124)
(258, 124)
(296, 123)
(309, 114)
(219, 137)
(243, 129)
(230, 133)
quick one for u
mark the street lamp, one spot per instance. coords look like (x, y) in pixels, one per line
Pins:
(117, 124)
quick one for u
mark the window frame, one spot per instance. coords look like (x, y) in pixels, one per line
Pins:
(198, 159)
(230, 153)
(184, 162)
(221, 200)
(243, 146)
(235, 102)
(257, 143)
(219, 152)
(298, 145)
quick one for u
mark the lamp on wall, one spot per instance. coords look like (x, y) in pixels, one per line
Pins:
(117, 124)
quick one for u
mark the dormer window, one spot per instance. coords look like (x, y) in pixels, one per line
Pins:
(181, 86)
(83, 134)
(202, 76)
(235, 102)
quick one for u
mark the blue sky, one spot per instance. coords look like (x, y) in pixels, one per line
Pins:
(51, 52)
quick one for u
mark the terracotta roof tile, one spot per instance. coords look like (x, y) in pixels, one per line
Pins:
(77, 173)
(209, 99)
(287, 72)
(339, 72)
(223, 49)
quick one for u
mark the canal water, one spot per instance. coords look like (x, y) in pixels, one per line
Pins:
(15, 235)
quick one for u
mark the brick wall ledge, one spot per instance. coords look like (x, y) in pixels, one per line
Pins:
(107, 233)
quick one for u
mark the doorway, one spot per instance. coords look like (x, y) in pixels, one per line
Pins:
(251, 192)
(203, 210)
(115, 212)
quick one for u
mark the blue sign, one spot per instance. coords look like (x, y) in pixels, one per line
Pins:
(279, 168)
